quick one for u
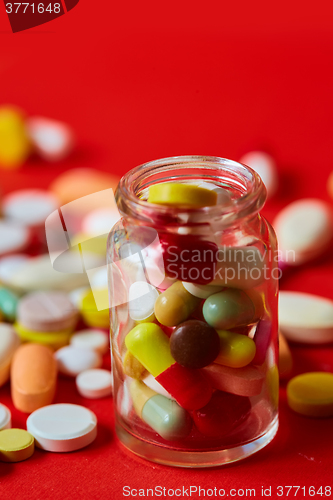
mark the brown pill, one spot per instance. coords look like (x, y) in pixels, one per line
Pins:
(175, 305)
(33, 377)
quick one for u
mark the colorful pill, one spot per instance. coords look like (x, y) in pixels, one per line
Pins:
(177, 194)
(246, 381)
(142, 297)
(16, 445)
(33, 377)
(8, 304)
(262, 338)
(132, 366)
(54, 340)
(224, 413)
(223, 195)
(194, 344)
(236, 350)
(228, 309)
(91, 315)
(311, 394)
(186, 258)
(14, 142)
(163, 415)
(175, 305)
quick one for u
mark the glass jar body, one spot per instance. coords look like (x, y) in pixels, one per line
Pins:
(199, 275)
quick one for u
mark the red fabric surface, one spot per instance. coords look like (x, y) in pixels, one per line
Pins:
(139, 82)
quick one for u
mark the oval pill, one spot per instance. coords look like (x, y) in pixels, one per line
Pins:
(228, 309)
(236, 350)
(175, 305)
(73, 360)
(5, 417)
(33, 377)
(62, 427)
(177, 194)
(265, 166)
(29, 207)
(16, 445)
(94, 384)
(311, 394)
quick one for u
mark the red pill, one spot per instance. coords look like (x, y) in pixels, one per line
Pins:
(188, 259)
(224, 413)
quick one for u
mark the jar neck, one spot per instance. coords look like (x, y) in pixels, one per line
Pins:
(246, 189)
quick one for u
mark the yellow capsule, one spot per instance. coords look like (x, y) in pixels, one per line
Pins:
(174, 193)
(236, 350)
(14, 143)
(311, 394)
(175, 305)
(132, 367)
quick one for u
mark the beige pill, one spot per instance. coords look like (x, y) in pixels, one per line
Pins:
(33, 377)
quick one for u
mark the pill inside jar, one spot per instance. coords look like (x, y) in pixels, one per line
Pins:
(200, 323)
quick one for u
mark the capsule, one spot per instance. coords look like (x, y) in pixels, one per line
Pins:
(175, 305)
(8, 304)
(228, 309)
(246, 381)
(236, 350)
(163, 415)
(132, 367)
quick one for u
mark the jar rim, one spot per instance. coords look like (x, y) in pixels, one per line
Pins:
(244, 177)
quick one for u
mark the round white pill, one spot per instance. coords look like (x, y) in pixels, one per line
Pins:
(265, 166)
(62, 427)
(201, 291)
(95, 340)
(76, 295)
(10, 264)
(72, 360)
(13, 237)
(94, 384)
(5, 417)
(29, 206)
(52, 139)
(142, 298)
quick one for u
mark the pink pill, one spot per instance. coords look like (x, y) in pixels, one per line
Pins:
(246, 381)
(262, 338)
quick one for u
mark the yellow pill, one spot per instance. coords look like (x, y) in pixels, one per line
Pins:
(55, 340)
(14, 143)
(311, 394)
(91, 315)
(16, 445)
(236, 350)
(174, 193)
(132, 367)
(272, 381)
(175, 305)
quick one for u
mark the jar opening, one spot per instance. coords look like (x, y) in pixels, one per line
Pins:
(245, 187)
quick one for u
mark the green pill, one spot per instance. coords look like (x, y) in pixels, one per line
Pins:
(228, 309)
(8, 304)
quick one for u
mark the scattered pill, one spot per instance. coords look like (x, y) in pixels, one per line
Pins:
(8, 303)
(201, 291)
(175, 305)
(265, 166)
(177, 194)
(246, 381)
(228, 309)
(222, 414)
(29, 207)
(33, 377)
(95, 383)
(13, 237)
(9, 342)
(164, 415)
(311, 394)
(10, 264)
(304, 230)
(5, 417)
(194, 344)
(54, 340)
(53, 140)
(16, 445)
(132, 367)
(47, 311)
(14, 142)
(304, 317)
(90, 314)
(285, 357)
(235, 350)
(62, 427)
(142, 297)
(72, 360)
(95, 340)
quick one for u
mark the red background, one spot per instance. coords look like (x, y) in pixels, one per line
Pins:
(144, 80)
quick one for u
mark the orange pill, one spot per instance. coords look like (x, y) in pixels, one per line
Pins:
(33, 377)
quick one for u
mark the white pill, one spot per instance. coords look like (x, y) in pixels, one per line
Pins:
(94, 384)
(53, 140)
(304, 317)
(223, 195)
(304, 229)
(29, 206)
(201, 291)
(62, 427)
(151, 382)
(10, 264)
(142, 298)
(9, 342)
(72, 360)
(100, 221)
(13, 237)
(93, 339)
(76, 295)
(5, 417)
(265, 166)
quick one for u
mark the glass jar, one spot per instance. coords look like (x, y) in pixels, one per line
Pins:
(193, 297)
